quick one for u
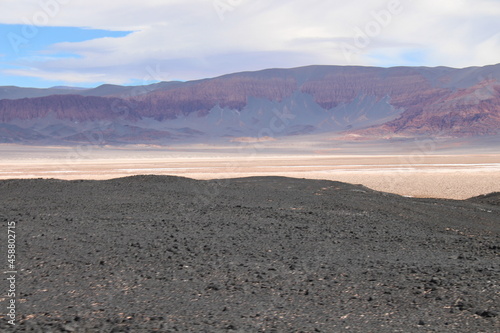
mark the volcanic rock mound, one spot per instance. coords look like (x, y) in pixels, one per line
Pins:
(260, 254)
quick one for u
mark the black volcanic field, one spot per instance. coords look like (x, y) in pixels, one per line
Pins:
(260, 254)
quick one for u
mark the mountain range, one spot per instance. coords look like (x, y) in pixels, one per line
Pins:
(356, 103)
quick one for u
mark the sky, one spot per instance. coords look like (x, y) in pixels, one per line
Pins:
(85, 43)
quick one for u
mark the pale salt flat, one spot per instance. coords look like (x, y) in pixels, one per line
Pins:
(451, 176)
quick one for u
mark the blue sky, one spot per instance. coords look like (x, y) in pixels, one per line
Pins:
(46, 43)
(24, 45)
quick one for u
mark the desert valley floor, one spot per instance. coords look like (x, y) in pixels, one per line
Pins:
(237, 251)
(420, 173)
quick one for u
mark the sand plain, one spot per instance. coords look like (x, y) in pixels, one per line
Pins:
(451, 176)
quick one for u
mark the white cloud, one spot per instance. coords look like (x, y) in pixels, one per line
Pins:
(488, 51)
(67, 76)
(193, 39)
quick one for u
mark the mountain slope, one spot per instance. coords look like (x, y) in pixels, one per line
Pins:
(464, 112)
(13, 92)
(364, 102)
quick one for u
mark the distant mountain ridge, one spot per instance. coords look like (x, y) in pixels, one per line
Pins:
(13, 92)
(359, 102)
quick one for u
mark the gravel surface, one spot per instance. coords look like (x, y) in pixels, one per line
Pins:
(259, 254)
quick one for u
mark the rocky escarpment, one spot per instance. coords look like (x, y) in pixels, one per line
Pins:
(367, 101)
(62, 107)
(465, 112)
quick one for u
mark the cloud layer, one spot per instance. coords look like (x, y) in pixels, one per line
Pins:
(191, 39)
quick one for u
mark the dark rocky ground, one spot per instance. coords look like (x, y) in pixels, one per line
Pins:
(265, 254)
